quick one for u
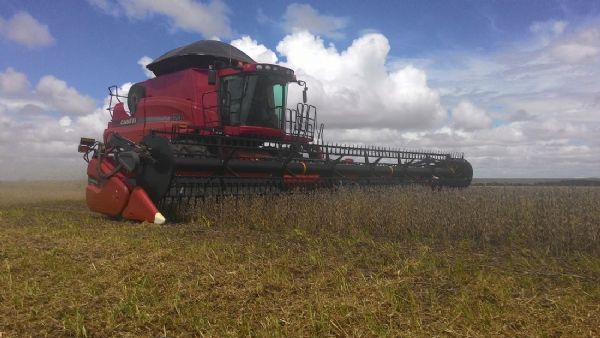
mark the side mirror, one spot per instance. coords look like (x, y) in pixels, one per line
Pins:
(303, 84)
(212, 75)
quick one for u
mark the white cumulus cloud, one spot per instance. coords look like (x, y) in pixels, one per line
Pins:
(355, 88)
(47, 137)
(144, 61)
(50, 94)
(542, 96)
(211, 19)
(467, 116)
(258, 52)
(13, 82)
(24, 29)
(301, 17)
(58, 95)
(544, 112)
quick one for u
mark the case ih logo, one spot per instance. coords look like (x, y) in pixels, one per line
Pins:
(164, 118)
(125, 122)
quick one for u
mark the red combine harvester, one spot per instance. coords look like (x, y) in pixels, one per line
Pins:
(213, 122)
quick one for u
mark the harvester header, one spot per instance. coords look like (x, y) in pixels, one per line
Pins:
(214, 122)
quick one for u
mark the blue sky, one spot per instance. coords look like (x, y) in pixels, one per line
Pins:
(513, 84)
(93, 49)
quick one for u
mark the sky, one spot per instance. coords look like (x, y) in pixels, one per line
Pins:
(515, 85)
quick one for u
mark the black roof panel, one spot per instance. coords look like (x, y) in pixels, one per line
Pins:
(199, 54)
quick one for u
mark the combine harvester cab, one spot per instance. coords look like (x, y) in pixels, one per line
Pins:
(213, 122)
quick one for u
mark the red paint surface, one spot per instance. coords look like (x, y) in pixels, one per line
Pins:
(106, 196)
(176, 99)
(109, 198)
(140, 207)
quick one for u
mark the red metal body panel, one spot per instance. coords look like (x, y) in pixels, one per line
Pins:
(180, 98)
(107, 196)
(140, 207)
(109, 199)
(253, 130)
(119, 112)
(114, 197)
(172, 99)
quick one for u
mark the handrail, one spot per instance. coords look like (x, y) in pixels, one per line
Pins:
(117, 97)
(301, 121)
(206, 107)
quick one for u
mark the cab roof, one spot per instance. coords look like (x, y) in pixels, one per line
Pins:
(199, 54)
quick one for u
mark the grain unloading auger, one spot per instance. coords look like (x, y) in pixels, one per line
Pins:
(213, 122)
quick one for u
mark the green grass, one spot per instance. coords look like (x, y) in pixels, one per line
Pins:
(485, 261)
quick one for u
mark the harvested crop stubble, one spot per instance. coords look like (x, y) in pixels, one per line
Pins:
(484, 261)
